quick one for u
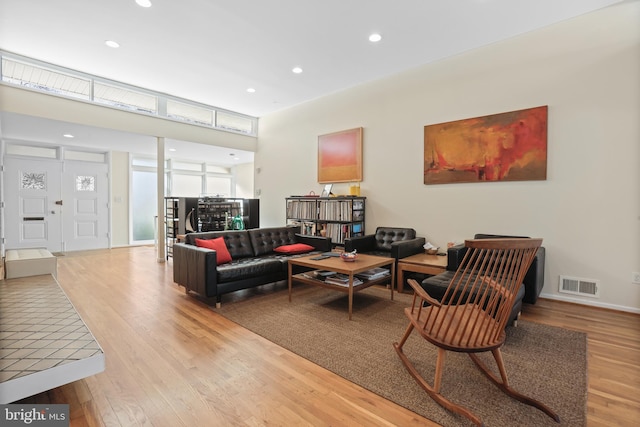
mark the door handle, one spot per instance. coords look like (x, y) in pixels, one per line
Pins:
(59, 202)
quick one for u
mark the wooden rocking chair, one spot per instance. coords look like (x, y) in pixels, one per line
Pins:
(472, 315)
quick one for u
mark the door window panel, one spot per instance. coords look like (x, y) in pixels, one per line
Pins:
(85, 183)
(33, 181)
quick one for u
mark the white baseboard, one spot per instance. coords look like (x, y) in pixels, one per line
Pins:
(591, 303)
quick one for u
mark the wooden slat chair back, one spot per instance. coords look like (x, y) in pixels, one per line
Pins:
(473, 313)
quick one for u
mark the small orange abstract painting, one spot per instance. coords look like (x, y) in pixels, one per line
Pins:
(340, 156)
(501, 147)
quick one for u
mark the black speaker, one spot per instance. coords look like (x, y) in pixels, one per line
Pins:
(251, 213)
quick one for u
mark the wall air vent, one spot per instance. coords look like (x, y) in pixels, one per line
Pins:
(580, 286)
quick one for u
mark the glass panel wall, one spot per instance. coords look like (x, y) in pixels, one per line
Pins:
(219, 186)
(186, 185)
(143, 205)
(124, 98)
(56, 80)
(183, 179)
(189, 113)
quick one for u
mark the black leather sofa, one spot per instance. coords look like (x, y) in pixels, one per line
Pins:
(254, 261)
(393, 242)
(529, 292)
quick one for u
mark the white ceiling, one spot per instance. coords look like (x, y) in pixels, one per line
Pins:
(212, 51)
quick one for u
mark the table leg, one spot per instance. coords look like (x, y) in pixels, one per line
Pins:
(289, 269)
(400, 279)
(393, 277)
(350, 294)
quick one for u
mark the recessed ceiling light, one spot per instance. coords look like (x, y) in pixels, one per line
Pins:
(112, 44)
(251, 90)
(297, 70)
(375, 37)
(68, 135)
(144, 3)
(172, 149)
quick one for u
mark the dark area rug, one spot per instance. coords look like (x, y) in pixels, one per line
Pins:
(544, 362)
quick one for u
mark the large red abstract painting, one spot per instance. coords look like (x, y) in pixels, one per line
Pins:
(340, 156)
(501, 147)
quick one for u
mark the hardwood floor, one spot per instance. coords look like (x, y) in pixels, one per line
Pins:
(173, 361)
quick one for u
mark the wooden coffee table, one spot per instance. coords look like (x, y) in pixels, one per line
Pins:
(362, 263)
(420, 263)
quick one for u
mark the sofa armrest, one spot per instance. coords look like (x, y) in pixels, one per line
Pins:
(360, 243)
(195, 268)
(320, 243)
(404, 248)
(455, 254)
(534, 279)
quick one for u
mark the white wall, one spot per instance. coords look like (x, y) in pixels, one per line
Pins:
(588, 210)
(244, 181)
(119, 199)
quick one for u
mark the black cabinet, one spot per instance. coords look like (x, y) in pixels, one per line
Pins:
(180, 218)
(190, 214)
(216, 214)
(251, 213)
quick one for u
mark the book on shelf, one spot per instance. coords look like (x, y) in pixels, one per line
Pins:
(318, 274)
(323, 274)
(342, 280)
(373, 273)
(339, 277)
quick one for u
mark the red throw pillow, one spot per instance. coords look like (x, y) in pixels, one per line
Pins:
(223, 256)
(296, 248)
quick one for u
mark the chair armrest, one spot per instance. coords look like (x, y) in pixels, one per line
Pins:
(404, 248)
(455, 255)
(320, 243)
(360, 243)
(195, 268)
(422, 294)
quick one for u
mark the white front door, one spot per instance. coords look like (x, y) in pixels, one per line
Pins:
(85, 195)
(61, 206)
(33, 204)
